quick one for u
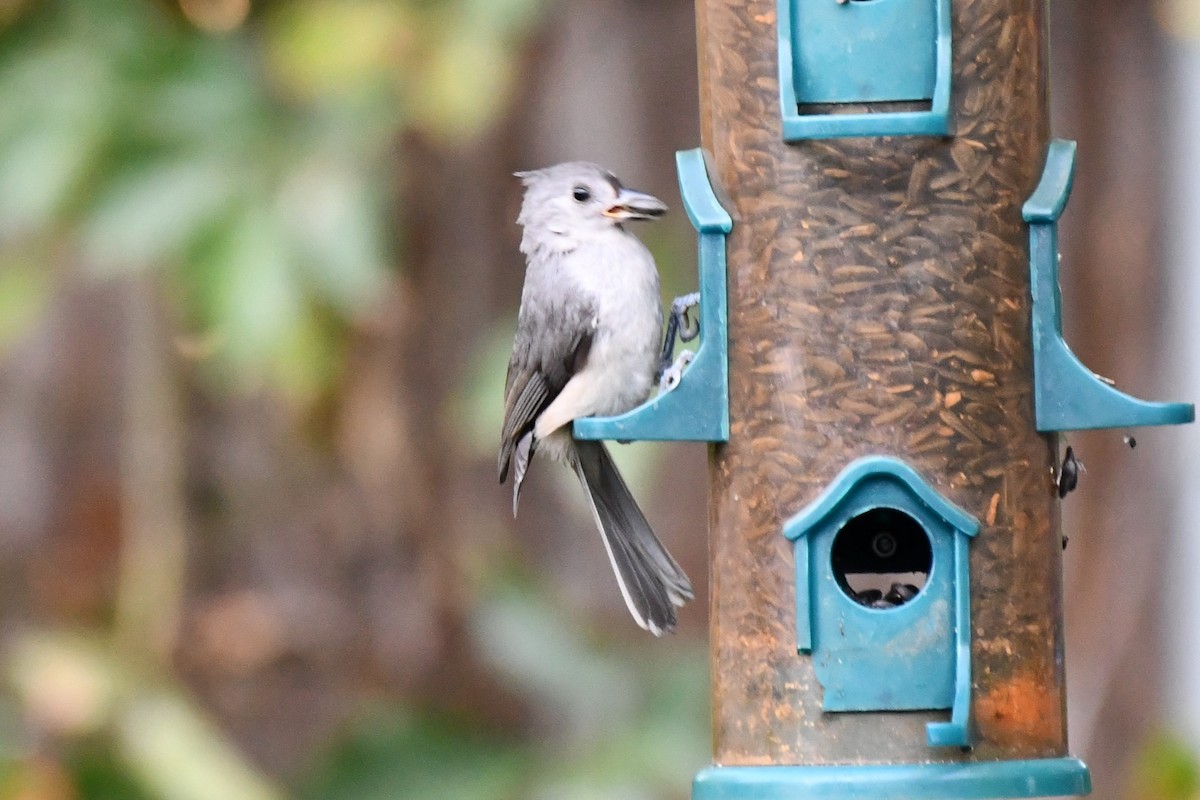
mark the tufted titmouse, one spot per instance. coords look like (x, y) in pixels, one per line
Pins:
(587, 344)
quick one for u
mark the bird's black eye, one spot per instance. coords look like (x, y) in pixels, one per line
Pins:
(581, 194)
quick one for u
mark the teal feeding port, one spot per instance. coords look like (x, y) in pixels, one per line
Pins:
(879, 526)
(862, 52)
(880, 517)
(697, 409)
(1068, 395)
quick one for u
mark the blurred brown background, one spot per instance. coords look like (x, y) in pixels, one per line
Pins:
(258, 275)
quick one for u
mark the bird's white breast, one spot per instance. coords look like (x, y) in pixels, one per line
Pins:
(618, 273)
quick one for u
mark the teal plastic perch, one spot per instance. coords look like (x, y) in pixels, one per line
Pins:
(864, 657)
(1067, 395)
(864, 52)
(974, 781)
(697, 409)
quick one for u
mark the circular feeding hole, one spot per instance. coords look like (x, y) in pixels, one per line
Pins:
(881, 558)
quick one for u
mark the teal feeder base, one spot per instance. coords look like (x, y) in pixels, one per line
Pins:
(1049, 777)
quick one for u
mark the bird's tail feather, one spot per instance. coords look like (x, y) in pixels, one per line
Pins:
(651, 582)
(522, 455)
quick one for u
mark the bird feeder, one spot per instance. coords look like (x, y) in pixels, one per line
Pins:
(885, 534)
(884, 378)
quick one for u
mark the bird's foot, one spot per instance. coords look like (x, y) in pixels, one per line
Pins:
(678, 325)
(680, 307)
(672, 375)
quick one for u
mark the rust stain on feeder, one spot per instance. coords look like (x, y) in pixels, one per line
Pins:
(1022, 713)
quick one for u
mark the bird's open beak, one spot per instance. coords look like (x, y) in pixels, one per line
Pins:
(636, 205)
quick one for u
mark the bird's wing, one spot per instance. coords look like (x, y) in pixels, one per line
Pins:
(552, 344)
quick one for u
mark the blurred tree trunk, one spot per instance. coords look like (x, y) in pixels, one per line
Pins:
(595, 87)
(1109, 69)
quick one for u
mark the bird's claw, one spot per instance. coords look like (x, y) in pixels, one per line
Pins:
(680, 307)
(673, 374)
(678, 324)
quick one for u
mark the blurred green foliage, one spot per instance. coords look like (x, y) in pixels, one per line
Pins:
(127, 731)
(253, 168)
(1165, 769)
(626, 726)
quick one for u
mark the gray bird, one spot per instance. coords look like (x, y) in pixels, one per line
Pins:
(587, 344)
